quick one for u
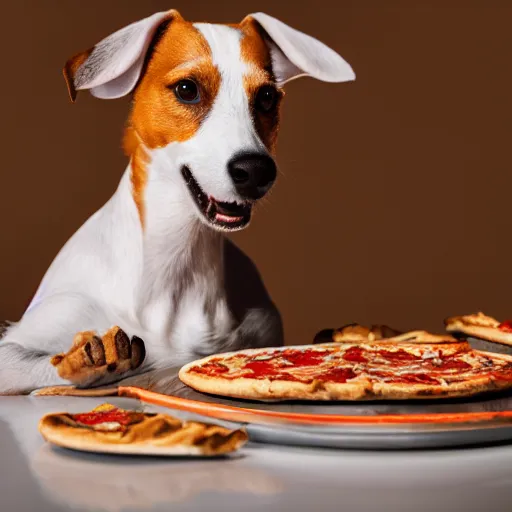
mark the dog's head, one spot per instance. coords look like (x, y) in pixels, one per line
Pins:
(205, 97)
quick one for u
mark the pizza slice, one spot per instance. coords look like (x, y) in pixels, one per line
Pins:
(481, 326)
(109, 429)
(355, 332)
(351, 333)
(421, 337)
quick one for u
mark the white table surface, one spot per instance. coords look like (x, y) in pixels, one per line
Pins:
(36, 477)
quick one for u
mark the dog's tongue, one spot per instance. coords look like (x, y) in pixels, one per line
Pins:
(226, 218)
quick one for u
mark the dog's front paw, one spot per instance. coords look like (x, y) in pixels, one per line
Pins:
(92, 358)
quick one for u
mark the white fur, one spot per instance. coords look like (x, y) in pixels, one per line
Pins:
(168, 283)
(116, 77)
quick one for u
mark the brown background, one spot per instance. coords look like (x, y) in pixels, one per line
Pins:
(393, 203)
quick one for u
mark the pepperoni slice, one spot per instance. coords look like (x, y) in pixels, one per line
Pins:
(355, 355)
(211, 368)
(304, 357)
(398, 355)
(339, 375)
(451, 364)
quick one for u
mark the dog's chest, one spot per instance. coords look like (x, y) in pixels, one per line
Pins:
(177, 329)
(181, 300)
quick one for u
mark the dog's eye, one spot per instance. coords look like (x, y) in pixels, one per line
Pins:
(266, 98)
(187, 91)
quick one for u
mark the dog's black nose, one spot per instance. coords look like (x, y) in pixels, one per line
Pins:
(253, 174)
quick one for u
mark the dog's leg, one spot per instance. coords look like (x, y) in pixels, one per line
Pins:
(23, 370)
(28, 351)
(259, 328)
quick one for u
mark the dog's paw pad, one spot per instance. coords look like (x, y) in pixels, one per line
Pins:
(95, 351)
(123, 345)
(138, 352)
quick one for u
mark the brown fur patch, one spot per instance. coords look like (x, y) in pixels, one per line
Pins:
(256, 54)
(157, 117)
(138, 174)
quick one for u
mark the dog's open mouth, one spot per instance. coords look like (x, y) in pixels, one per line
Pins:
(225, 216)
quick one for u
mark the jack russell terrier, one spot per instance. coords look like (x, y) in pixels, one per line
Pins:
(153, 261)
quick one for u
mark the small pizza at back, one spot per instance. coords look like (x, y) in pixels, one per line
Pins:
(109, 429)
(355, 332)
(352, 333)
(481, 326)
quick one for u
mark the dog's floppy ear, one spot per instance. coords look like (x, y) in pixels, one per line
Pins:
(112, 67)
(296, 54)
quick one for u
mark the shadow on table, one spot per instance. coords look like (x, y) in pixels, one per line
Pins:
(19, 490)
(114, 483)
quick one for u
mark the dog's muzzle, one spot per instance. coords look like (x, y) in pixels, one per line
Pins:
(225, 216)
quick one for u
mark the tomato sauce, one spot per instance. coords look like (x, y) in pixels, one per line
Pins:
(304, 357)
(95, 418)
(260, 369)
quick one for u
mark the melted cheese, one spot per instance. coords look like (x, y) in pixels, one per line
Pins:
(110, 426)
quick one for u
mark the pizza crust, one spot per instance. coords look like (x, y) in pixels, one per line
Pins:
(74, 391)
(156, 434)
(404, 391)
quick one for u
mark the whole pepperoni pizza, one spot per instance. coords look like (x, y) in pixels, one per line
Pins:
(416, 365)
